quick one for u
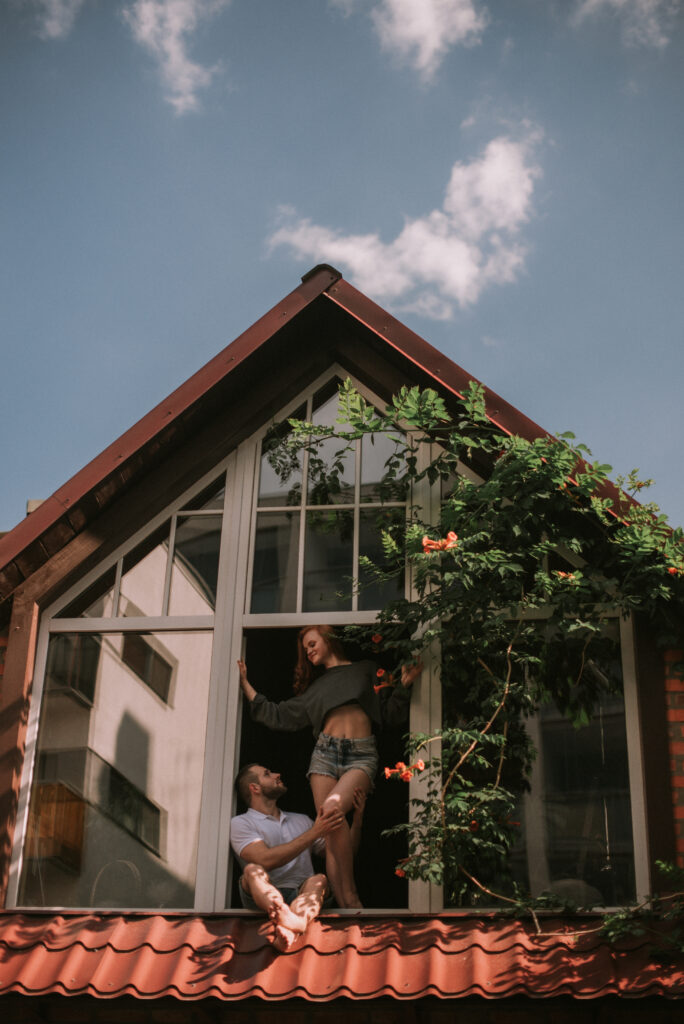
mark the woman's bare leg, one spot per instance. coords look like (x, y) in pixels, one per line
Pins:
(321, 787)
(339, 859)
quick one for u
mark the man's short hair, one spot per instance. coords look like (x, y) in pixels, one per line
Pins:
(245, 777)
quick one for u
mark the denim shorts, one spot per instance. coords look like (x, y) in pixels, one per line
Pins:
(333, 756)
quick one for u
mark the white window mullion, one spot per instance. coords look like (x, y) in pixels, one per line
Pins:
(635, 760)
(209, 826)
(251, 534)
(117, 587)
(357, 526)
(169, 565)
(137, 624)
(302, 518)
(426, 703)
(223, 732)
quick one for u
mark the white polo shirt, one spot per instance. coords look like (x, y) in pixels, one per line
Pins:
(254, 826)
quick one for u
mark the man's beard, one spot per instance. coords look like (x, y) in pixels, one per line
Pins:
(274, 790)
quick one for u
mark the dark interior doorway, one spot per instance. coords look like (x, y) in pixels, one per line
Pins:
(270, 655)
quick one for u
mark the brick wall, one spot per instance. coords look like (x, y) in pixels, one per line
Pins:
(674, 688)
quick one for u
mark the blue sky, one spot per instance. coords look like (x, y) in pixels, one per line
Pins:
(505, 177)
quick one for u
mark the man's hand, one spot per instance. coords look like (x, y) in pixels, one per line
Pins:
(327, 821)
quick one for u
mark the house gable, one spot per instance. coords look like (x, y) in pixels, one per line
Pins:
(324, 322)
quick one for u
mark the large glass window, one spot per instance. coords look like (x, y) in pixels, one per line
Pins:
(576, 821)
(114, 811)
(127, 722)
(173, 571)
(574, 816)
(310, 540)
(114, 808)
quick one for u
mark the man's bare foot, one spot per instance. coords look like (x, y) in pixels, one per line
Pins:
(284, 938)
(286, 918)
(277, 905)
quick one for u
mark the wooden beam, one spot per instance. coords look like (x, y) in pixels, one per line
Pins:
(15, 698)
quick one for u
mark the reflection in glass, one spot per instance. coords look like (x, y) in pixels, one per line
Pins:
(274, 491)
(332, 468)
(143, 576)
(149, 665)
(374, 592)
(328, 566)
(72, 664)
(274, 578)
(447, 486)
(114, 810)
(576, 821)
(280, 474)
(211, 497)
(94, 603)
(194, 573)
(383, 468)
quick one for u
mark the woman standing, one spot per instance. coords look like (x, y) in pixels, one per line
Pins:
(337, 698)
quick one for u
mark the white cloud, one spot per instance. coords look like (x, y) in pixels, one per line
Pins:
(421, 32)
(644, 22)
(56, 17)
(448, 256)
(162, 27)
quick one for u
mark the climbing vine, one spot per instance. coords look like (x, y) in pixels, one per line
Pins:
(516, 588)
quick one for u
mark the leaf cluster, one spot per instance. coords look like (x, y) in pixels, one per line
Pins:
(521, 608)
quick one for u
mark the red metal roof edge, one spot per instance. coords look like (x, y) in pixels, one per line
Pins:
(444, 371)
(30, 529)
(363, 957)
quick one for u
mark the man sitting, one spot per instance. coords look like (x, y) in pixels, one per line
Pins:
(274, 848)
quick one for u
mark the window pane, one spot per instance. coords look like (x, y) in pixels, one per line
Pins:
(194, 572)
(114, 812)
(143, 576)
(446, 486)
(72, 664)
(94, 603)
(280, 474)
(383, 469)
(151, 667)
(573, 819)
(576, 820)
(373, 592)
(276, 546)
(332, 469)
(210, 498)
(328, 568)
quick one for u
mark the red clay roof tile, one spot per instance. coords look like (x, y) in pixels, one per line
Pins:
(229, 957)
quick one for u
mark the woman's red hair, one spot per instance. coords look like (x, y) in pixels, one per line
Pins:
(305, 673)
